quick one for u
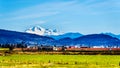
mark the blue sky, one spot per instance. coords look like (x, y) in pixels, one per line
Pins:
(84, 16)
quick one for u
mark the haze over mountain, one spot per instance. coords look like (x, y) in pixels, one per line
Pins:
(67, 35)
(91, 40)
(113, 35)
(97, 40)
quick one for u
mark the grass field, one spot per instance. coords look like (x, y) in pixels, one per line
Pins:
(60, 61)
(4, 48)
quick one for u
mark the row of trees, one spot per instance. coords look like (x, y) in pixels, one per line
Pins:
(12, 46)
(22, 45)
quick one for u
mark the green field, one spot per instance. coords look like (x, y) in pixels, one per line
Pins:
(60, 61)
(4, 48)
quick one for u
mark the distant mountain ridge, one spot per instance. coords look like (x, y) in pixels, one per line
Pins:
(97, 40)
(13, 37)
(67, 35)
(92, 40)
(113, 35)
(38, 30)
(51, 33)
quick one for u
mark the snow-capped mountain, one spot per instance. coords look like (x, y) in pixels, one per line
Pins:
(52, 33)
(42, 31)
(91, 40)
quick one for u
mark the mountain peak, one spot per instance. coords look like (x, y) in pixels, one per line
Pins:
(35, 28)
(42, 31)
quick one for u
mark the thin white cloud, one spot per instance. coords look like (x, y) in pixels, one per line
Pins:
(42, 10)
(100, 7)
(32, 16)
(105, 4)
(54, 8)
(39, 22)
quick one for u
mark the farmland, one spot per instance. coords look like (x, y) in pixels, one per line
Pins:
(58, 61)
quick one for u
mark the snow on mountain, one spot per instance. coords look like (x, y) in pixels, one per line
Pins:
(36, 30)
(42, 31)
(91, 40)
(52, 33)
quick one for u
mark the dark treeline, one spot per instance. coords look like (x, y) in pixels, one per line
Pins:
(13, 45)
